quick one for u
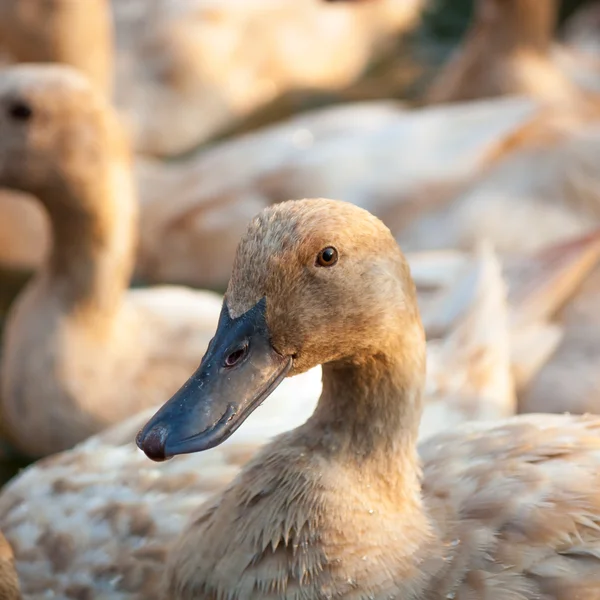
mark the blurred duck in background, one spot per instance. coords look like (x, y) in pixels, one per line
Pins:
(79, 34)
(80, 352)
(74, 33)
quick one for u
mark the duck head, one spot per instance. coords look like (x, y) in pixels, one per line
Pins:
(313, 282)
(58, 136)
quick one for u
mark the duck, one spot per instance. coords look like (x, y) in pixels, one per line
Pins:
(345, 506)
(80, 350)
(98, 520)
(507, 50)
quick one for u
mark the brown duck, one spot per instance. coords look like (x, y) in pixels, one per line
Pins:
(343, 507)
(80, 351)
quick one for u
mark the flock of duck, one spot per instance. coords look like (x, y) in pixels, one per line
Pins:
(351, 430)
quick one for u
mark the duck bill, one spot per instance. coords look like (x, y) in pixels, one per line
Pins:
(239, 370)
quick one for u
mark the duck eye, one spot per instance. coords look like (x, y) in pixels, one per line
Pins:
(233, 358)
(327, 257)
(20, 111)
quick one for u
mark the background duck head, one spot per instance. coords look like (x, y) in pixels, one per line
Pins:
(61, 142)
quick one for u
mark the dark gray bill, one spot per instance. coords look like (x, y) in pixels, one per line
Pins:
(239, 370)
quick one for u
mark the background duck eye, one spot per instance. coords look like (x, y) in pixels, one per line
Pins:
(20, 111)
(327, 257)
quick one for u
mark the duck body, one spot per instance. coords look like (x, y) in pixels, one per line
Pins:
(350, 534)
(80, 352)
(561, 199)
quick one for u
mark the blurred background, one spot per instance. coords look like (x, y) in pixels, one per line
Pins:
(458, 122)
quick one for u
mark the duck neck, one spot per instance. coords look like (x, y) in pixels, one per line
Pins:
(94, 236)
(516, 25)
(370, 408)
